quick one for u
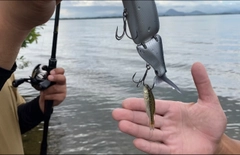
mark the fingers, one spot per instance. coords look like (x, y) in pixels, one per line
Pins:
(203, 84)
(55, 89)
(57, 93)
(56, 75)
(137, 104)
(55, 97)
(57, 71)
(134, 104)
(136, 117)
(58, 79)
(141, 131)
(150, 147)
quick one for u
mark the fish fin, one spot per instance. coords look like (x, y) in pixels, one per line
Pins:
(168, 81)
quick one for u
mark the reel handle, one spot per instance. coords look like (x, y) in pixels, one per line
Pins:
(18, 82)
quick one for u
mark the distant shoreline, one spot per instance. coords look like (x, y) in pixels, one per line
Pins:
(82, 18)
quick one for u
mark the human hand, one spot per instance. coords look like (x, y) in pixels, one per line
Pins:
(25, 15)
(180, 128)
(56, 92)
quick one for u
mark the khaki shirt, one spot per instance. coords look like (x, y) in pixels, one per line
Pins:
(10, 135)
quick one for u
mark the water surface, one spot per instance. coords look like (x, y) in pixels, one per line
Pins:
(99, 70)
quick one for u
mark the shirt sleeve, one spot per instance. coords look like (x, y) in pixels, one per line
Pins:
(29, 115)
(5, 74)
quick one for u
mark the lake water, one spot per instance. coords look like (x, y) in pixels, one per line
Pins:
(99, 70)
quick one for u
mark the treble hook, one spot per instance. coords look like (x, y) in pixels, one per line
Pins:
(144, 76)
(124, 28)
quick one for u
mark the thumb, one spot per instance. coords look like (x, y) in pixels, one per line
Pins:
(203, 84)
(41, 101)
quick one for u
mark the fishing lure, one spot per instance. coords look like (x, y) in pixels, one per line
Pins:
(154, 56)
(150, 104)
(148, 67)
(143, 22)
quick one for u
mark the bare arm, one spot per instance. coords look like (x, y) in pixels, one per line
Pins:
(17, 18)
(10, 42)
(228, 145)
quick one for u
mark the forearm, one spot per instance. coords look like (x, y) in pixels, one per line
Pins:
(29, 115)
(11, 40)
(17, 18)
(228, 146)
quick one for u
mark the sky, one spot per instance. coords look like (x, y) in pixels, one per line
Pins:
(101, 8)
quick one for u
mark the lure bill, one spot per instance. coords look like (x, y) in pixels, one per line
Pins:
(157, 80)
(150, 104)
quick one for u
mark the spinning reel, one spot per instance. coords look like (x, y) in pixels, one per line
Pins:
(38, 80)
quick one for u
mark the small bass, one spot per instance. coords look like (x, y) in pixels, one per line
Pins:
(150, 104)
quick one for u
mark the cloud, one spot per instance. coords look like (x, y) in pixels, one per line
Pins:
(205, 6)
(91, 8)
(100, 8)
(94, 3)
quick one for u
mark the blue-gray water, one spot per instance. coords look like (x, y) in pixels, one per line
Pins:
(99, 70)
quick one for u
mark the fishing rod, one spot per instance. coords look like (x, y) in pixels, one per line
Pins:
(39, 81)
(48, 106)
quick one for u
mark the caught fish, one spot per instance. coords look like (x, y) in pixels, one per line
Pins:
(150, 104)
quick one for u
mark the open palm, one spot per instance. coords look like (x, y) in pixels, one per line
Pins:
(180, 128)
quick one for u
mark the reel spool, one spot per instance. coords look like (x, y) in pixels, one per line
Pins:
(38, 79)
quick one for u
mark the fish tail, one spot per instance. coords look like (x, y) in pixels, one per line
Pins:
(164, 78)
(151, 123)
(152, 126)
